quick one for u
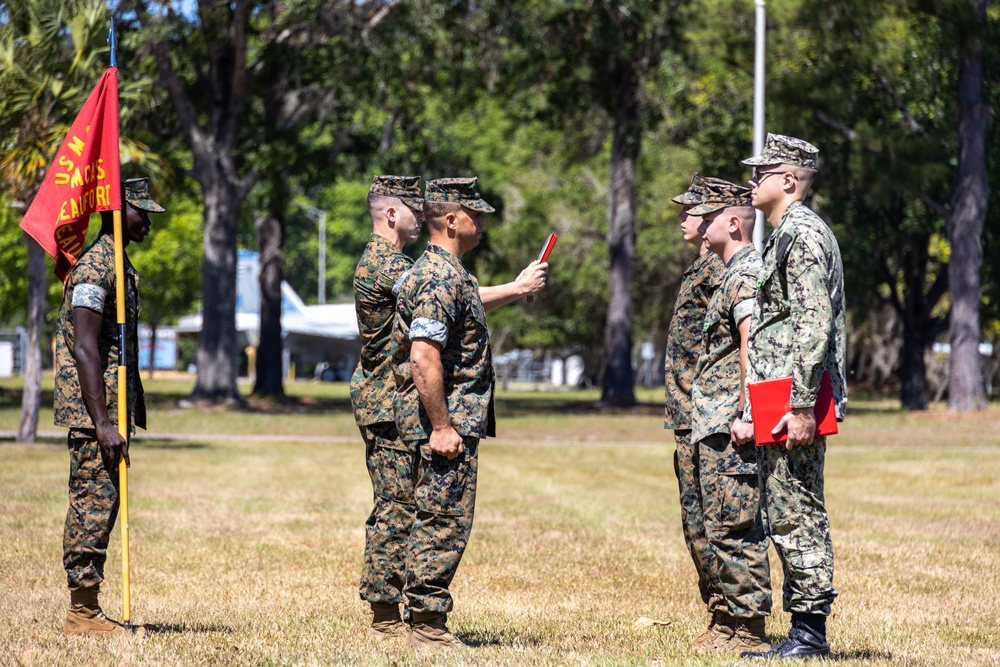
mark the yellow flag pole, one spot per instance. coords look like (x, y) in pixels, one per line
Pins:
(122, 414)
(122, 382)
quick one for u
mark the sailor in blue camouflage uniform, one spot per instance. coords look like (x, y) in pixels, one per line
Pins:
(700, 281)
(443, 369)
(737, 566)
(395, 204)
(86, 401)
(798, 330)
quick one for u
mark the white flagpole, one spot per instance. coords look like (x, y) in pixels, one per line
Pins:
(758, 109)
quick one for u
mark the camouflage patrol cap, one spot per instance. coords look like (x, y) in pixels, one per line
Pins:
(405, 188)
(779, 149)
(462, 191)
(721, 194)
(696, 190)
(137, 193)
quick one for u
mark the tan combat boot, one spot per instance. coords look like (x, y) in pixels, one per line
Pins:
(386, 622)
(748, 635)
(428, 632)
(86, 618)
(716, 630)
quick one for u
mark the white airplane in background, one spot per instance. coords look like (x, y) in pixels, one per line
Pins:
(325, 337)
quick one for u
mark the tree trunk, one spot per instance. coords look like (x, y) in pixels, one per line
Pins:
(912, 370)
(217, 351)
(31, 399)
(625, 147)
(154, 323)
(270, 243)
(223, 76)
(965, 226)
(916, 315)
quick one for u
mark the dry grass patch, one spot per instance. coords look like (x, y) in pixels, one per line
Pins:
(247, 552)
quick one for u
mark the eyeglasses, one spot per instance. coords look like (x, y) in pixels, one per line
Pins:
(756, 175)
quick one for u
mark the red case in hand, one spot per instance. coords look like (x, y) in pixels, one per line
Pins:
(769, 403)
(550, 243)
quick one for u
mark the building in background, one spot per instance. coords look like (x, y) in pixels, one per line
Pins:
(13, 343)
(321, 341)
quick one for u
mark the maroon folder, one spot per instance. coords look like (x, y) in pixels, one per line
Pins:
(769, 402)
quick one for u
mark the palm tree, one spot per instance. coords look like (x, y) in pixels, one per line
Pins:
(52, 52)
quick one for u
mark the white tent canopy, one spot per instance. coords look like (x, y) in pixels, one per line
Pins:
(311, 334)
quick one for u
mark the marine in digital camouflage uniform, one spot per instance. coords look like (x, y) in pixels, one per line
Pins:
(799, 330)
(395, 204)
(86, 401)
(737, 567)
(443, 369)
(396, 207)
(700, 281)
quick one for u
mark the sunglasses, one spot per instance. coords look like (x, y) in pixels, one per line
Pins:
(756, 175)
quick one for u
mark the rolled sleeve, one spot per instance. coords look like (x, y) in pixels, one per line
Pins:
(424, 327)
(398, 284)
(743, 310)
(90, 297)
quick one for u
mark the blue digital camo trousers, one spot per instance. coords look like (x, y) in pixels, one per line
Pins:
(422, 518)
(796, 521)
(93, 509)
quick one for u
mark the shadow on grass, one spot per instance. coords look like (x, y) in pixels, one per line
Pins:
(11, 439)
(861, 654)
(10, 397)
(505, 637)
(506, 407)
(840, 656)
(535, 405)
(513, 406)
(160, 443)
(304, 405)
(186, 628)
(856, 410)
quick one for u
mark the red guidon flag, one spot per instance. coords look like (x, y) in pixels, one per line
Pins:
(84, 178)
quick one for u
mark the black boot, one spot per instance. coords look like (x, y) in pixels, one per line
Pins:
(806, 639)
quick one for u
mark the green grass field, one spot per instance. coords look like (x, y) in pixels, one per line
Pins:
(247, 534)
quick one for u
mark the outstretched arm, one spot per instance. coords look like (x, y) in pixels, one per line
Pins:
(530, 281)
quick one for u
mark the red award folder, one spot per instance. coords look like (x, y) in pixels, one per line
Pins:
(543, 256)
(550, 243)
(769, 402)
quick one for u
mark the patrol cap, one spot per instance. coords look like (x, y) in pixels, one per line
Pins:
(693, 194)
(780, 149)
(405, 188)
(137, 194)
(462, 191)
(721, 194)
(696, 190)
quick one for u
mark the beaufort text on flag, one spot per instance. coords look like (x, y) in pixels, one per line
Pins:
(84, 178)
